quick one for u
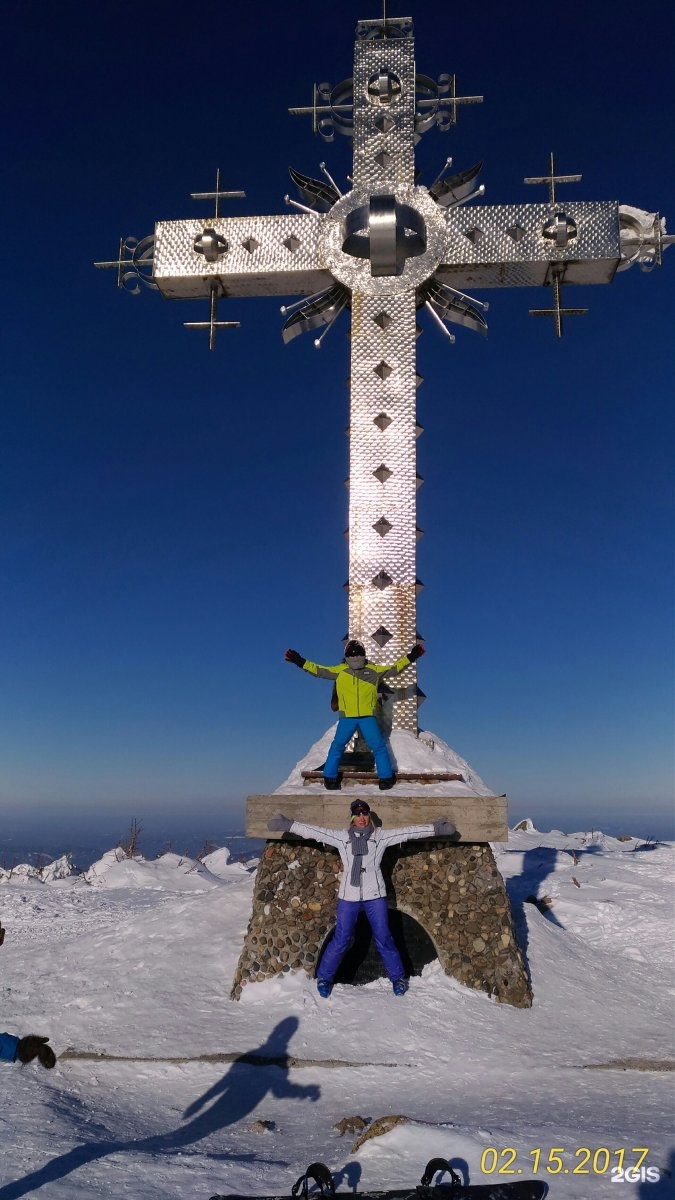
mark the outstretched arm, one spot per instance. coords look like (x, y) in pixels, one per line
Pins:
(281, 824)
(25, 1049)
(312, 668)
(410, 833)
(401, 663)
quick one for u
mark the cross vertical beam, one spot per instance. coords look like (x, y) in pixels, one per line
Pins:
(382, 471)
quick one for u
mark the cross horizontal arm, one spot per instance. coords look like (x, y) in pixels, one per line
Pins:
(256, 256)
(512, 245)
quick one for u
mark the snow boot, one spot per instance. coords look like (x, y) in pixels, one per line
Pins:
(324, 987)
(399, 986)
(388, 782)
(332, 784)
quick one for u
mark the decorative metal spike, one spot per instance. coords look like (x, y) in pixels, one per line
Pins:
(383, 320)
(384, 123)
(381, 636)
(382, 421)
(383, 527)
(302, 207)
(383, 370)
(330, 179)
(382, 473)
(382, 581)
(458, 188)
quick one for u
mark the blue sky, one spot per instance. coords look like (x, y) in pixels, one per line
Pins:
(171, 520)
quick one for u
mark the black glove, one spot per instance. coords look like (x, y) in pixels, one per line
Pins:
(279, 823)
(294, 657)
(2, 935)
(416, 652)
(33, 1046)
(444, 828)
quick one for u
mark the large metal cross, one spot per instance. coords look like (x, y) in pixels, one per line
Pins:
(384, 249)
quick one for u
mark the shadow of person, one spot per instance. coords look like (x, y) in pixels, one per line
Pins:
(251, 1077)
(350, 1174)
(538, 863)
(664, 1187)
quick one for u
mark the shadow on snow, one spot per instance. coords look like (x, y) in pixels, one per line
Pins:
(234, 1096)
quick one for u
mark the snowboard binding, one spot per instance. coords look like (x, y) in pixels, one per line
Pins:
(454, 1189)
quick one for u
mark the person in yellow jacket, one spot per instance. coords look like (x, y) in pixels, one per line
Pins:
(356, 681)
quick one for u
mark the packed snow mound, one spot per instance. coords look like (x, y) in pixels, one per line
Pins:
(527, 825)
(220, 864)
(60, 868)
(427, 754)
(169, 872)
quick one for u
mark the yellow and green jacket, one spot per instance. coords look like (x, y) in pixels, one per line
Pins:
(356, 690)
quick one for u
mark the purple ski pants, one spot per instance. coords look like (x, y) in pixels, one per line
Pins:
(377, 912)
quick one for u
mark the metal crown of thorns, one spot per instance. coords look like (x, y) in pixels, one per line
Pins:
(384, 249)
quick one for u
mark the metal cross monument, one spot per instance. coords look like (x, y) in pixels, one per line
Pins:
(383, 250)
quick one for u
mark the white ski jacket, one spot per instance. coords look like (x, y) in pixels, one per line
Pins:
(372, 886)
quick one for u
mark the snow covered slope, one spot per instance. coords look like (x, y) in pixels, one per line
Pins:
(166, 1088)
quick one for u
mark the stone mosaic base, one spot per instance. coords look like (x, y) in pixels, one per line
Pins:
(455, 892)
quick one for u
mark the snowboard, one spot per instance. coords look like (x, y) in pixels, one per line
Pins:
(318, 1173)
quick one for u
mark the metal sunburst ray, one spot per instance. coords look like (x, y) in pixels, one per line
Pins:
(447, 304)
(313, 191)
(322, 309)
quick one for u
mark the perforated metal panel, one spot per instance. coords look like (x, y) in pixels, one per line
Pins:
(257, 262)
(504, 245)
(383, 485)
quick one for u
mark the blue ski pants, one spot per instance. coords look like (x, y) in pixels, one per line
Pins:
(377, 912)
(346, 728)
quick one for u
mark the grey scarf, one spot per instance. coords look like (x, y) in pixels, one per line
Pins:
(359, 843)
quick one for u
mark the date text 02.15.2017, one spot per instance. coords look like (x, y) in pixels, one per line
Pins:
(583, 1160)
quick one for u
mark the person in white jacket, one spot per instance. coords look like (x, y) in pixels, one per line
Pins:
(362, 885)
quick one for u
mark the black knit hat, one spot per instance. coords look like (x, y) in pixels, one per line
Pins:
(359, 808)
(354, 650)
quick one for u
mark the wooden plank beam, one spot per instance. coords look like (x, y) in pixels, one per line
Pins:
(478, 818)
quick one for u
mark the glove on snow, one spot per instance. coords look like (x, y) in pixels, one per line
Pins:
(294, 657)
(279, 823)
(2, 935)
(444, 828)
(416, 652)
(33, 1046)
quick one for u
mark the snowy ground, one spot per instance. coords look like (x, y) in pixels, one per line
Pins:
(135, 962)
